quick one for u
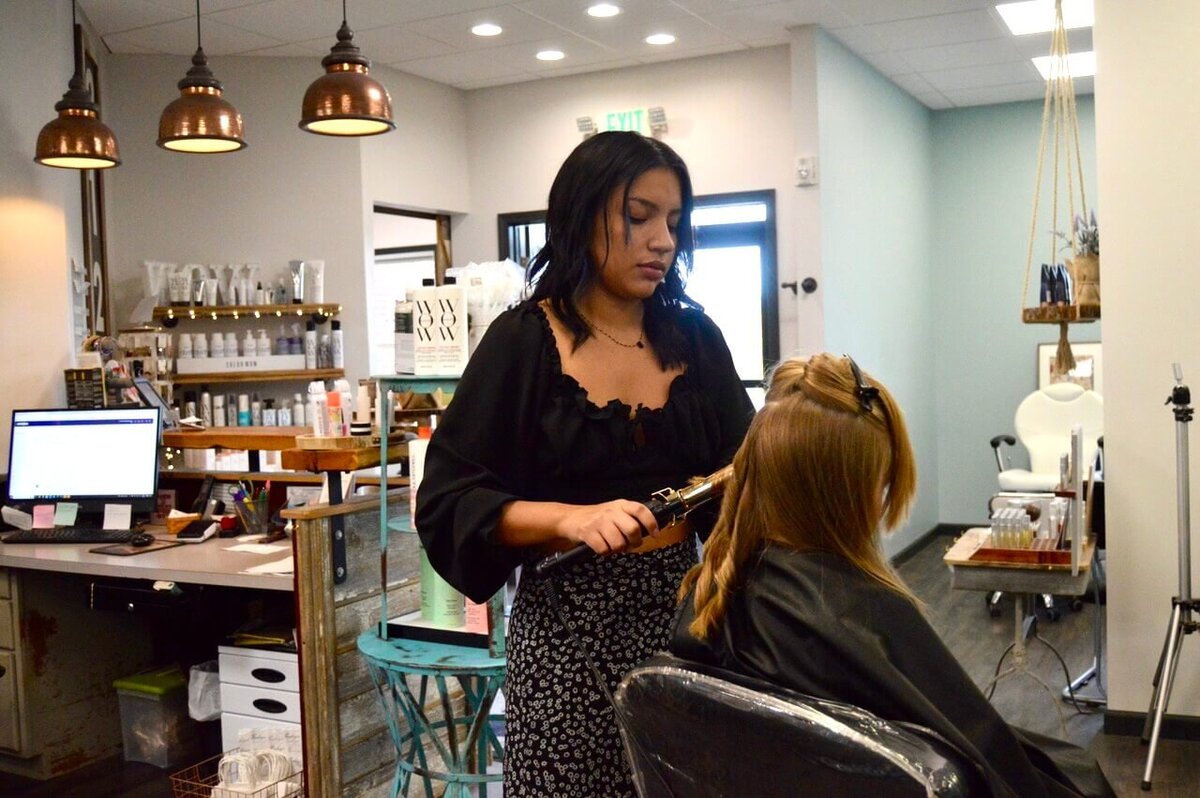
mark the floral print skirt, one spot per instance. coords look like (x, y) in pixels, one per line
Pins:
(561, 734)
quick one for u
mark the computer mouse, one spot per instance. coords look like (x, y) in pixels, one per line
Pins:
(141, 539)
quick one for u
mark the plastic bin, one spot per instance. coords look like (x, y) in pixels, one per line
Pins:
(155, 727)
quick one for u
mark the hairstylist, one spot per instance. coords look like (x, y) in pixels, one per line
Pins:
(605, 386)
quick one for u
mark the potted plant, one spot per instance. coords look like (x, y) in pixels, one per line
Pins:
(1085, 266)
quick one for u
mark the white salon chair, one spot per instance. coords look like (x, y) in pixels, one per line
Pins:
(1043, 423)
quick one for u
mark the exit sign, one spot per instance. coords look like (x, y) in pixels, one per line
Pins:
(634, 119)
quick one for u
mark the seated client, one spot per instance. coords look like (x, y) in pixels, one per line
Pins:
(794, 587)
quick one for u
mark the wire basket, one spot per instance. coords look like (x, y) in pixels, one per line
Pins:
(201, 781)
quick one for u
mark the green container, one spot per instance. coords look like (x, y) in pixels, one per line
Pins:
(160, 682)
(441, 604)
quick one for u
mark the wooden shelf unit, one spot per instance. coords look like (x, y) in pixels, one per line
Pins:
(258, 376)
(190, 312)
(1056, 314)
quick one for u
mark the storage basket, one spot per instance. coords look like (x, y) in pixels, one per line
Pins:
(199, 781)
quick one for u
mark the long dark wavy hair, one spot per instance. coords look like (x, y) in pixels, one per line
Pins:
(563, 271)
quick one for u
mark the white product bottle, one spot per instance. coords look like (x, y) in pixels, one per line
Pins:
(231, 350)
(184, 346)
(217, 347)
(297, 410)
(249, 347)
(199, 345)
(336, 352)
(318, 412)
(218, 410)
(453, 334)
(256, 419)
(269, 416)
(404, 336)
(310, 345)
(262, 346)
(284, 415)
(425, 328)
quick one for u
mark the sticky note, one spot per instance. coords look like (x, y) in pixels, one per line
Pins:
(43, 516)
(117, 516)
(65, 513)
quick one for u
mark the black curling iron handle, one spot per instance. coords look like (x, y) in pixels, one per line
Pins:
(664, 512)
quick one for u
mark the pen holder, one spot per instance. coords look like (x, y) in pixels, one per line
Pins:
(252, 514)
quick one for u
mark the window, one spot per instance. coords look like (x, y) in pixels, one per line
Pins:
(733, 274)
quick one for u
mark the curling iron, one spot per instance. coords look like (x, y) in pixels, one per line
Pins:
(668, 505)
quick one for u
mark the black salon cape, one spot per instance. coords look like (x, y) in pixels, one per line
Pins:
(816, 624)
(519, 428)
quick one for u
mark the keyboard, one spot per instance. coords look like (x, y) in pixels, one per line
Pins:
(70, 535)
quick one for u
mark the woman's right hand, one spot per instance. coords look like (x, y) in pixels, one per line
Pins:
(610, 527)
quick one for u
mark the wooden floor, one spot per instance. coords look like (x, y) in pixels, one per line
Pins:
(959, 616)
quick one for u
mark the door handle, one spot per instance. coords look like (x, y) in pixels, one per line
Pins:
(807, 285)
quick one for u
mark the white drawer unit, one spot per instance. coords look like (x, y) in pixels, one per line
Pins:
(259, 702)
(259, 690)
(275, 670)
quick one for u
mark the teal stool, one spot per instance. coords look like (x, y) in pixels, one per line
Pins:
(469, 735)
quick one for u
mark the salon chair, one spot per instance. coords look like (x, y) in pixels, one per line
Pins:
(1043, 424)
(702, 732)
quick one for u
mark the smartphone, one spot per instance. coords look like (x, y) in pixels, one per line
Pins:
(197, 531)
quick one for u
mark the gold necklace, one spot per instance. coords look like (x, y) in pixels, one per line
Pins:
(635, 345)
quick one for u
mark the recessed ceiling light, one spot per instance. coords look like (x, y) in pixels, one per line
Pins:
(551, 55)
(660, 38)
(603, 10)
(1037, 16)
(487, 29)
(1079, 65)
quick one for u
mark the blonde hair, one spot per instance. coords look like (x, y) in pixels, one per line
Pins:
(823, 465)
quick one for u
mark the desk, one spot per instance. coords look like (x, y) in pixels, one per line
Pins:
(1025, 581)
(206, 563)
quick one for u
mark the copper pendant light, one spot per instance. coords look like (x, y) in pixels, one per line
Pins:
(200, 120)
(346, 100)
(76, 138)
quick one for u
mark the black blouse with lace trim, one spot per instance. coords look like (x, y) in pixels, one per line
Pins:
(519, 428)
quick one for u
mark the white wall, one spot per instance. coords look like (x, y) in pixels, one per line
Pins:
(729, 118)
(40, 220)
(1148, 153)
(805, 312)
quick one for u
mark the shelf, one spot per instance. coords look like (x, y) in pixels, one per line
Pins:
(1056, 314)
(339, 459)
(177, 313)
(258, 376)
(269, 438)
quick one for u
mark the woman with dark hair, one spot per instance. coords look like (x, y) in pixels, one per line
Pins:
(606, 385)
(794, 587)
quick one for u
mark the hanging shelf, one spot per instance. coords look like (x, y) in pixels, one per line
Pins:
(1070, 286)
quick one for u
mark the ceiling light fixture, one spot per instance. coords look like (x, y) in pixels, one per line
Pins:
(1079, 65)
(551, 55)
(200, 120)
(603, 10)
(1037, 16)
(346, 100)
(487, 29)
(660, 38)
(76, 138)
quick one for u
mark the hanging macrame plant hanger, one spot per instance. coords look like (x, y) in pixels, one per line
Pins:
(1058, 304)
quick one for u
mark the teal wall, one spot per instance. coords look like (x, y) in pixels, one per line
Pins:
(875, 172)
(984, 167)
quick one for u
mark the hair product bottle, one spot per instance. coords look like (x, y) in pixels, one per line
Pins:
(310, 345)
(337, 354)
(440, 603)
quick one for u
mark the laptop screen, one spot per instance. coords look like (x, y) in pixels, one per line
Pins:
(85, 456)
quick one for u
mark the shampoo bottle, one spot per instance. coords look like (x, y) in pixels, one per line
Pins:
(206, 407)
(425, 328)
(298, 411)
(218, 410)
(337, 354)
(256, 418)
(310, 345)
(452, 338)
(404, 336)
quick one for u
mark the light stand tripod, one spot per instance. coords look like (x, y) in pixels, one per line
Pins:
(1183, 604)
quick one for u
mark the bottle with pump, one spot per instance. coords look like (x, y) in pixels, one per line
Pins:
(249, 345)
(337, 354)
(231, 350)
(262, 345)
(217, 347)
(298, 411)
(199, 345)
(269, 417)
(310, 345)
(281, 341)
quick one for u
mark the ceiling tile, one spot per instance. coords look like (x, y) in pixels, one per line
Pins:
(770, 22)
(988, 95)
(865, 12)
(677, 55)
(913, 84)
(475, 66)
(179, 38)
(579, 70)
(1036, 44)
(953, 56)
(288, 20)
(706, 7)
(934, 100)
(397, 43)
(188, 7)
(488, 83)
(861, 40)
(455, 29)
(979, 76)
(966, 26)
(299, 49)
(889, 63)
(114, 16)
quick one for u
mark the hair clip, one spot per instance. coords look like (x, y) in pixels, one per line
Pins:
(862, 390)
